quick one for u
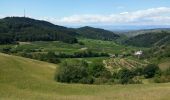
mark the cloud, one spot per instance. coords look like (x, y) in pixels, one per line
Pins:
(160, 16)
(152, 16)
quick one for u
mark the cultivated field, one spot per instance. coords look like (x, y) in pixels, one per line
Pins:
(117, 63)
(56, 46)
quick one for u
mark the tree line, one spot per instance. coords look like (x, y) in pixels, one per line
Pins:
(79, 71)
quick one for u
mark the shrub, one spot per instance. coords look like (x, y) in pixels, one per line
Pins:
(125, 76)
(6, 50)
(164, 77)
(150, 70)
(81, 43)
(98, 70)
(138, 71)
(73, 72)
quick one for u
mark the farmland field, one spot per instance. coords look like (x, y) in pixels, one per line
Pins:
(56, 46)
(116, 63)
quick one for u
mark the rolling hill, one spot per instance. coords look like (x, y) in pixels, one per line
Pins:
(144, 31)
(149, 39)
(96, 33)
(26, 29)
(26, 79)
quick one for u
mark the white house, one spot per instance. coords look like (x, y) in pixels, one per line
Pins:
(138, 53)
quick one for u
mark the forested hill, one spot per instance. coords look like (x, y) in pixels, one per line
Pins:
(143, 31)
(96, 33)
(150, 39)
(26, 29)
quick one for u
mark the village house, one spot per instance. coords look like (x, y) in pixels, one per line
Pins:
(138, 53)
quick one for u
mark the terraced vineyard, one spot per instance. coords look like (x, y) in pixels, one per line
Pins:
(117, 63)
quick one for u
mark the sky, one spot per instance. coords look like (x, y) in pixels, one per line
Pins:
(91, 12)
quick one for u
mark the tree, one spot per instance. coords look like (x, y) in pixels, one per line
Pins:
(125, 76)
(98, 70)
(150, 70)
(73, 72)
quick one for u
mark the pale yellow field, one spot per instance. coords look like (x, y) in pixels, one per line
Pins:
(25, 79)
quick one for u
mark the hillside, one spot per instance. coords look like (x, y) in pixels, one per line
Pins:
(96, 33)
(27, 79)
(14, 29)
(139, 32)
(149, 39)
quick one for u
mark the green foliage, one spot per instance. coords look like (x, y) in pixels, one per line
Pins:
(6, 50)
(89, 53)
(132, 76)
(148, 39)
(51, 57)
(164, 77)
(125, 76)
(73, 72)
(99, 71)
(25, 29)
(96, 33)
(6, 38)
(150, 70)
(78, 71)
(81, 43)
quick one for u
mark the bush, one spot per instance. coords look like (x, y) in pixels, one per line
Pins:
(6, 50)
(98, 70)
(125, 76)
(73, 72)
(150, 70)
(164, 77)
(138, 71)
(81, 43)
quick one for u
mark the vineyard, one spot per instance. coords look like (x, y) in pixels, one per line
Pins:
(118, 63)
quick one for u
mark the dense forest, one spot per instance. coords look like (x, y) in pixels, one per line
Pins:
(24, 29)
(149, 39)
(14, 29)
(96, 33)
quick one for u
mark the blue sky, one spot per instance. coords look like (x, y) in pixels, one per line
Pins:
(91, 12)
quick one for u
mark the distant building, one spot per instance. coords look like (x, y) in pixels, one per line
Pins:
(138, 53)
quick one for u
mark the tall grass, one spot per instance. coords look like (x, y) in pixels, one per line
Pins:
(26, 79)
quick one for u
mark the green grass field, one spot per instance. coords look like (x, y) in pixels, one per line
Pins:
(26, 79)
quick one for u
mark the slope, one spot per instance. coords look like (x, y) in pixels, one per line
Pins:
(96, 33)
(149, 39)
(26, 79)
(138, 32)
(26, 29)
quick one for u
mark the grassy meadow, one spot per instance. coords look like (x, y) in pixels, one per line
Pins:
(26, 79)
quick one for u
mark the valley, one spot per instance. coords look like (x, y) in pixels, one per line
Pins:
(40, 61)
